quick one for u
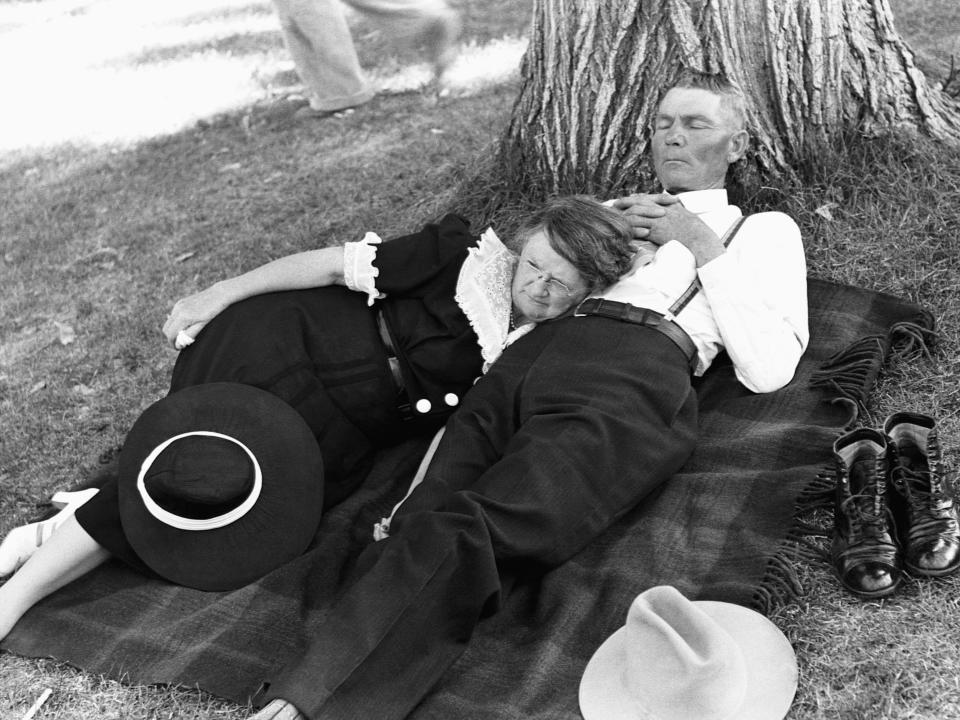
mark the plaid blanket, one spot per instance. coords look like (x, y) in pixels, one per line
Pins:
(721, 529)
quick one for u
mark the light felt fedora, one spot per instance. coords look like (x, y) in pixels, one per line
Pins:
(677, 659)
(218, 485)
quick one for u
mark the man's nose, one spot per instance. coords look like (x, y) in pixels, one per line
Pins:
(674, 136)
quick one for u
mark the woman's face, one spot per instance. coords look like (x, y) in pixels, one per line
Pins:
(545, 285)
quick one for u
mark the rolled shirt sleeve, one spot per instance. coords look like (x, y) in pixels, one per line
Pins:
(757, 292)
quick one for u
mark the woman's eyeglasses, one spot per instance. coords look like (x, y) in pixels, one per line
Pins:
(554, 286)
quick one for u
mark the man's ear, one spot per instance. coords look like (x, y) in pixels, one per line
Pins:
(739, 142)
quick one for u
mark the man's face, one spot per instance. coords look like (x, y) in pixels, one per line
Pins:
(545, 284)
(695, 138)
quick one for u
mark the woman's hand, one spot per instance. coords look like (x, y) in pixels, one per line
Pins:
(191, 314)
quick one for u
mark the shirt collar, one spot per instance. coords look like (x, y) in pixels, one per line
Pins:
(701, 201)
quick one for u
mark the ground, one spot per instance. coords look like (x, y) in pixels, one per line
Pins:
(143, 155)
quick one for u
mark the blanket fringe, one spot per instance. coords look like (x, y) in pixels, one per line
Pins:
(848, 376)
(781, 583)
(853, 372)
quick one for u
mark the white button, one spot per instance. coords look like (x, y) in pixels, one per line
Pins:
(451, 399)
(423, 405)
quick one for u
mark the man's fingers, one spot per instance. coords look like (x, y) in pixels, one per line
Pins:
(645, 210)
(666, 199)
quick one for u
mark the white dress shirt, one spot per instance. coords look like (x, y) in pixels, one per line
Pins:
(753, 301)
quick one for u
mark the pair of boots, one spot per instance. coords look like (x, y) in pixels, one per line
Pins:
(894, 508)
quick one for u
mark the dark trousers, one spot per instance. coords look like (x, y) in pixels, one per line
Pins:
(573, 426)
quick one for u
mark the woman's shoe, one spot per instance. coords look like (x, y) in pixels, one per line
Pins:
(22, 542)
(76, 498)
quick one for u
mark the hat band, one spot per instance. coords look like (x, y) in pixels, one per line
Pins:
(186, 523)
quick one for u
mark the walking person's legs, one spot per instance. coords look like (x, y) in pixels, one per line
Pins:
(319, 41)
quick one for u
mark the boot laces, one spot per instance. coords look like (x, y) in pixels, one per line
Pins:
(930, 506)
(869, 531)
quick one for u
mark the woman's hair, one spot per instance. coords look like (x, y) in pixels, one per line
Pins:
(592, 237)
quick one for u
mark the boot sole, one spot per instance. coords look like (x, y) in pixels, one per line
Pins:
(874, 595)
(917, 572)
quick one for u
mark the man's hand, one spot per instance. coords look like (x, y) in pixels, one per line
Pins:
(662, 218)
(642, 209)
(278, 710)
(190, 314)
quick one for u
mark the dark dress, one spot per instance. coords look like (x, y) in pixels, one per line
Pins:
(321, 350)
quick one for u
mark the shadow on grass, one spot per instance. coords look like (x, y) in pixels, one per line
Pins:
(239, 12)
(233, 45)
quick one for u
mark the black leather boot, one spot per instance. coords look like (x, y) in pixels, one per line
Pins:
(864, 551)
(921, 496)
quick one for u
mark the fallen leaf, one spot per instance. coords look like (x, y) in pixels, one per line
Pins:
(824, 210)
(184, 256)
(231, 167)
(84, 390)
(37, 387)
(67, 333)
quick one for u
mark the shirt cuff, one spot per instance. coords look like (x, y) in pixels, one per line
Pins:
(359, 274)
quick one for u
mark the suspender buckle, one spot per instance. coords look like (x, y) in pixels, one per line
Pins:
(578, 312)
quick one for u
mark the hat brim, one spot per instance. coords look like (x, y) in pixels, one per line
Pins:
(278, 528)
(771, 667)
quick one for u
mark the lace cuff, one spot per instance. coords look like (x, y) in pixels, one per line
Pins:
(359, 274)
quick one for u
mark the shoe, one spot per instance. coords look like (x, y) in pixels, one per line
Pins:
(922, 497)
(864, 551)
(22, 542)
(76, 498)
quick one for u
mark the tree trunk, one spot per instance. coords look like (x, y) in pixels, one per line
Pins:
(812, 70)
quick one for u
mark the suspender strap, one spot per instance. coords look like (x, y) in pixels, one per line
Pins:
(695, 286)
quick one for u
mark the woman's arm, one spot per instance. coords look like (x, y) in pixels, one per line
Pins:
(313, 268)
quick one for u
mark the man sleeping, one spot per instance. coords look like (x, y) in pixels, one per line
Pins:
(573, 426)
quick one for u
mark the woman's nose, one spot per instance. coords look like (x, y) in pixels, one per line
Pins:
(539, 285)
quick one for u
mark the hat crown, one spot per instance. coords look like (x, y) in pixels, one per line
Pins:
(200, 475)
(683, 664)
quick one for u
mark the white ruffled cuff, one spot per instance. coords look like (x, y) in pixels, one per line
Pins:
(359, 274)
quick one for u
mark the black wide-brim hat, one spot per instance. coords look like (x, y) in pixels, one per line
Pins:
(162, 476)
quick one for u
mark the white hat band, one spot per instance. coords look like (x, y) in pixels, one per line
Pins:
(185, 523)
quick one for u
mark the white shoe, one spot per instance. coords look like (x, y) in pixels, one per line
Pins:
(77, 498)
(22, 542)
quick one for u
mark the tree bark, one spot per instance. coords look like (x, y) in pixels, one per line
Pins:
(812, 70)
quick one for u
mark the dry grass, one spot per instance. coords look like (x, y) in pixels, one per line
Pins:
(140, 165)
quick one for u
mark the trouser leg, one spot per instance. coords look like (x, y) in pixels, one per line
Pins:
(319, 41)
(431, 23)
(573, 426)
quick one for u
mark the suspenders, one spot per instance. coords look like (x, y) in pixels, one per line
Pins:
(695, 286)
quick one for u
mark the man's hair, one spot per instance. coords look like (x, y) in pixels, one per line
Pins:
(592, 237)
(731, 94)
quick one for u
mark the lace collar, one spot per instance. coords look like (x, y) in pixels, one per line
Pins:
(483, 294)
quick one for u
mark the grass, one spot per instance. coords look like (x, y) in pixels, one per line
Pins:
(143, 161)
